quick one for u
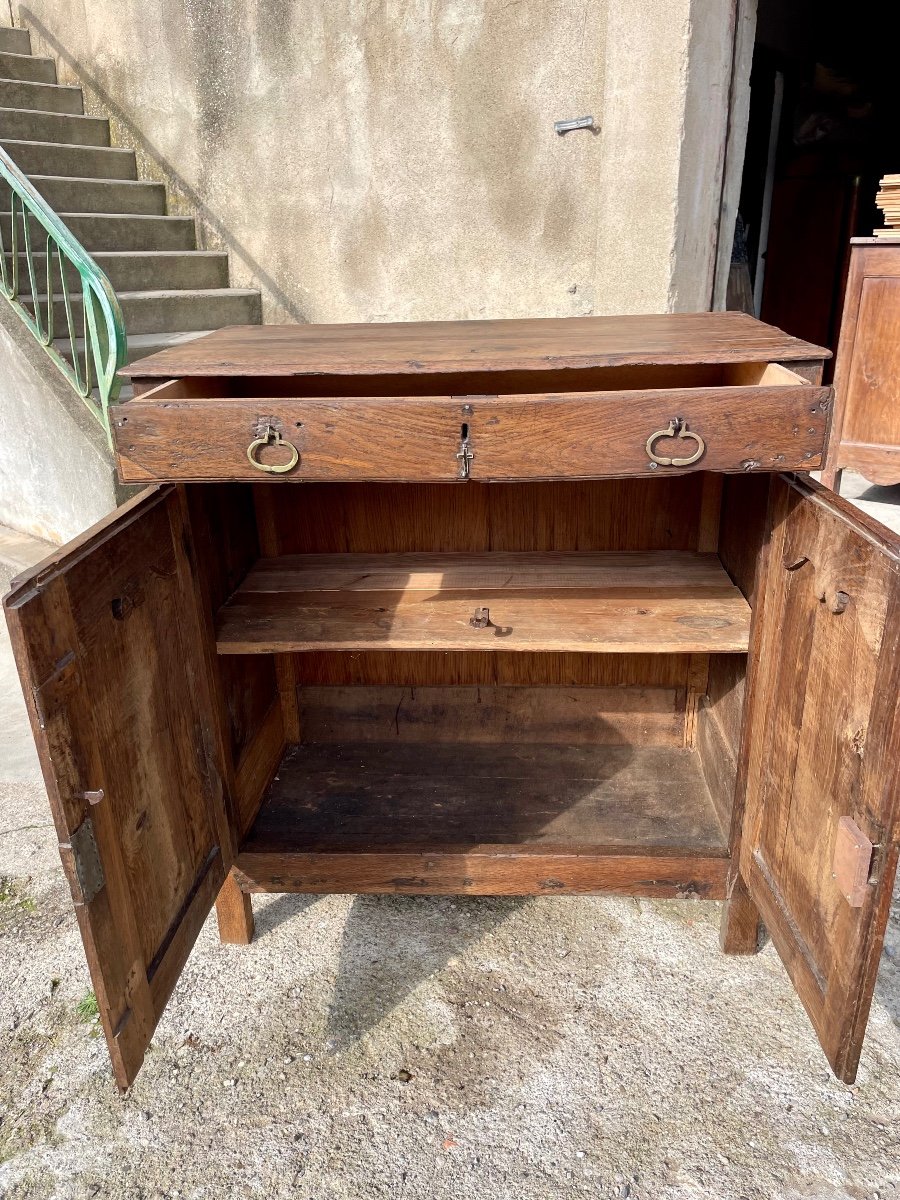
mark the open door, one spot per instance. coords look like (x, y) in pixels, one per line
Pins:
(112, 651)
(822, 754)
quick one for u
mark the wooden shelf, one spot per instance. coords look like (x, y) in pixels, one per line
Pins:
(654, 602)
(486, 819)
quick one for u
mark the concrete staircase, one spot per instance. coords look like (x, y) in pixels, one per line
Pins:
(169, 290)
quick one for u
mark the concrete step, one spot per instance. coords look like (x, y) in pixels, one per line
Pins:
(114, 196)
(81, 162)
(14, 41)
(140, 345)
(43, 97)
(143, 270)
(101, 231)
(24, 66)
(29, 125)
(147, 312)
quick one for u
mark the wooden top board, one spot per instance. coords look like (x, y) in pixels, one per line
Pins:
(428, 347)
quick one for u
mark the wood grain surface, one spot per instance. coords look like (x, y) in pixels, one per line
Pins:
(866, 429)
(770, 426)
(823, 742)
(488, 819)
(110, 644)
(530, 344)
(630, 603)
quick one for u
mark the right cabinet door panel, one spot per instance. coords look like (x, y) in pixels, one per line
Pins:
(822, 754)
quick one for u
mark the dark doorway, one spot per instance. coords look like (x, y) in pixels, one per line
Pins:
(824, 127)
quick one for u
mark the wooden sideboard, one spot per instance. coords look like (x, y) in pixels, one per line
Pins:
(494, 608)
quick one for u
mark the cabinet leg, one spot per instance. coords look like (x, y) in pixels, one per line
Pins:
(739, 932)
(234, 913)
(831, 477)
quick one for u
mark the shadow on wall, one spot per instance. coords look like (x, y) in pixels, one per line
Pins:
(140, 141)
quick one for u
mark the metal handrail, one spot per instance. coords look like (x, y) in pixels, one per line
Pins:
(104, 350)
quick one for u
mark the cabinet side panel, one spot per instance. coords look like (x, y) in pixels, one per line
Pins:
(223, 521)
(872, 413)
(720, 719)
(742, 532)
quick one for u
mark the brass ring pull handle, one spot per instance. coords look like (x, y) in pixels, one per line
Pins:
(272, 437)
(677, 428)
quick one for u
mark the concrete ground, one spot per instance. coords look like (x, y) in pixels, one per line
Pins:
(431, 1049)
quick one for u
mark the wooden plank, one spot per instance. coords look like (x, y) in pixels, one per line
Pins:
(226, 545)
(766, 427)
(511, 715)
(822, 743)
(552, 436)
(285, 664)
(500, 571)
(437, 668)
(502, 871)
(424, 347)
(610, 604)
(573, 515)
(399, 795)
(486, 819)
(257, 765)
(879, 463)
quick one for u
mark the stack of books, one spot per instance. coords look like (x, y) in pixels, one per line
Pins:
(888, 200)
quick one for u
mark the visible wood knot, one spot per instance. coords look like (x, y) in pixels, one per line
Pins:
(839, 602)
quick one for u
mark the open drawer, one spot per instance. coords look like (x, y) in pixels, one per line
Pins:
(610, 421)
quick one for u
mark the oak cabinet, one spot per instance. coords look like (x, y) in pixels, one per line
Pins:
(485, 608)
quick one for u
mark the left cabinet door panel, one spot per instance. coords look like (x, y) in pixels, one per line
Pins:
(112, 654)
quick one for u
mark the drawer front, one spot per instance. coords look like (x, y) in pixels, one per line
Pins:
(315, 440)
(634, 433)
(575, 435)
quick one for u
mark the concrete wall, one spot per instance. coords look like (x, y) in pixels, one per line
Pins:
(397, 159)
(56, 473)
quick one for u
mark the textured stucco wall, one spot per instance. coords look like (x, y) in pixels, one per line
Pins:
(56, 472)
(397, 159)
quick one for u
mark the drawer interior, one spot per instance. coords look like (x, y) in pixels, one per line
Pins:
(383, 742)
(492, 383)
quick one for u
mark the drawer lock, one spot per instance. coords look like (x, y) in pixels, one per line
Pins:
(677, 428)
(271, 437)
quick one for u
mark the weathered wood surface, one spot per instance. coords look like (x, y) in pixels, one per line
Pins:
(234, 914)
(110, 645)
(573, 716)
(866, 429)
(576, 515)
(768, 427)
(489, 819)
(823, 742)
(616, 603)
(436, 346)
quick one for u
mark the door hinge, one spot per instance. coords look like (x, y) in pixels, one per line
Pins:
(86, 860)
(852, 863)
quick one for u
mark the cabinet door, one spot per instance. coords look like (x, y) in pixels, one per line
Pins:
(112, 653)
(822, 754)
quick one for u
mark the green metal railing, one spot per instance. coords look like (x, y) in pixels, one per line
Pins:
(30, 229)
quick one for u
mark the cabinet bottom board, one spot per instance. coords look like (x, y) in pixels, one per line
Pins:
(470, 818)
